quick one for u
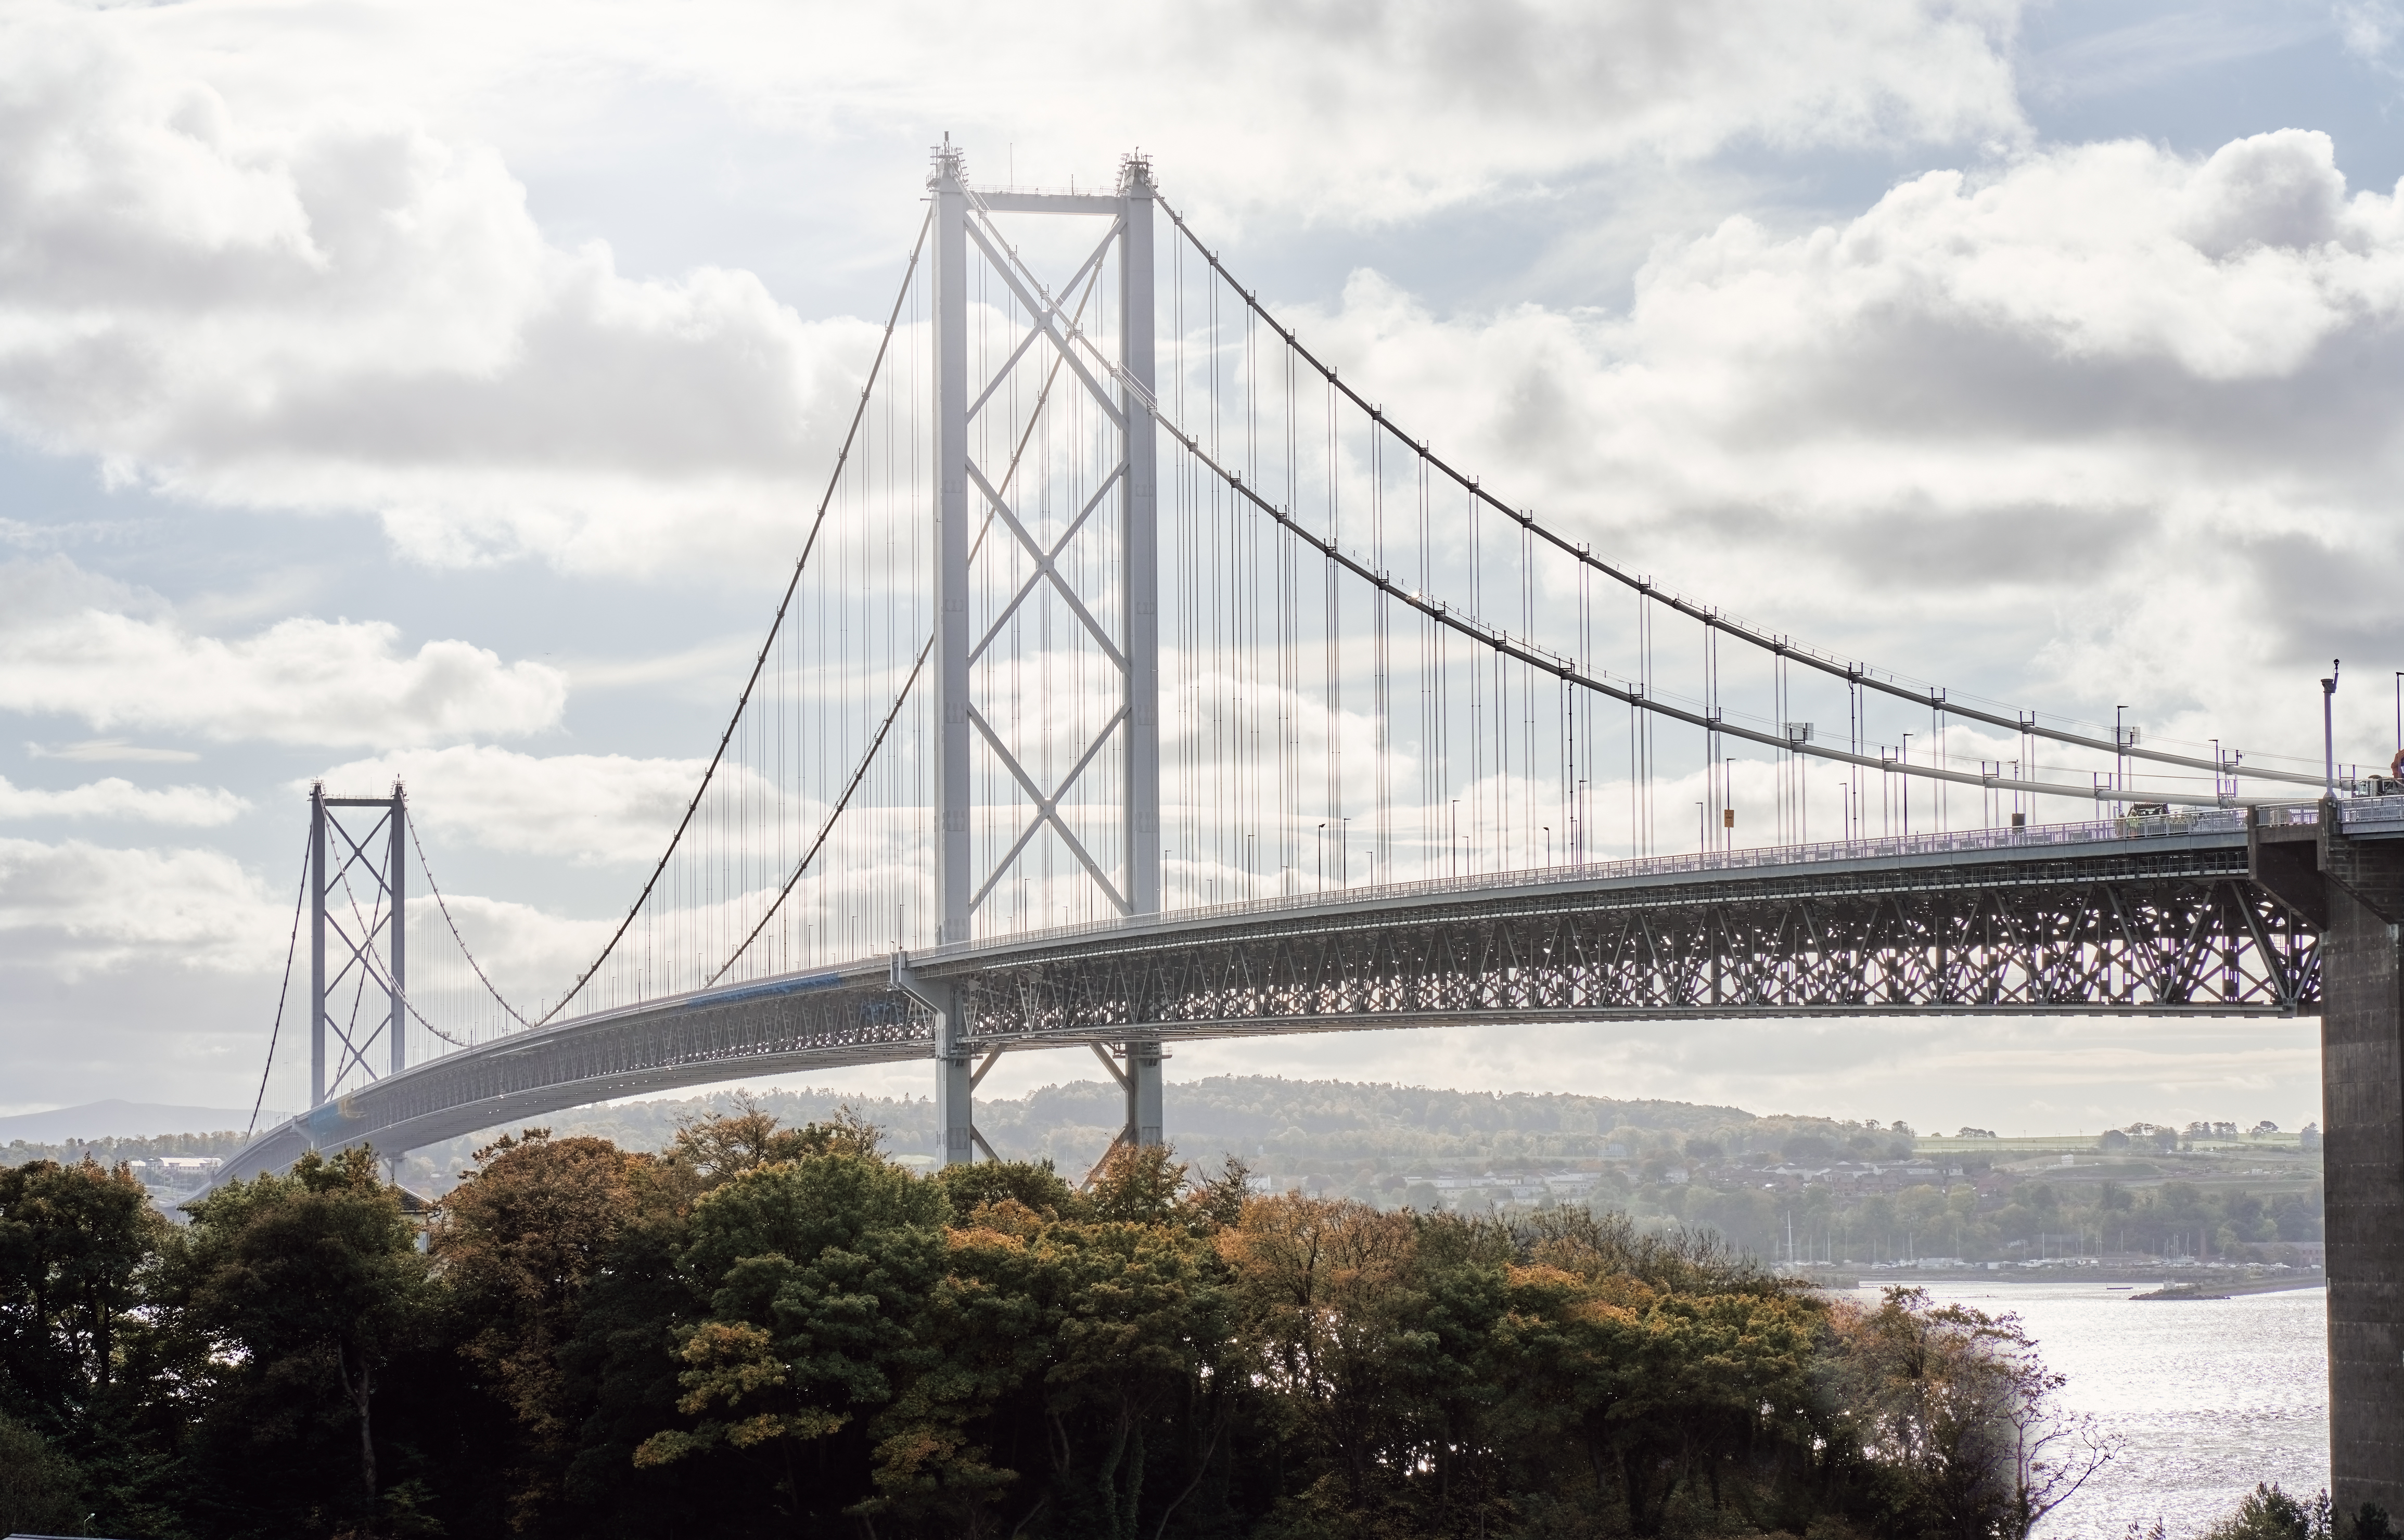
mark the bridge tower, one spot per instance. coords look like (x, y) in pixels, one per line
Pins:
(981, 508)
(359, 898)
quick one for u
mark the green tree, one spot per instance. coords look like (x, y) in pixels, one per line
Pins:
(720, 1147)
(2266, 1513)
(1034, 1184)
(518, 1241)
(1949, 1415)
(816, 1272)
(1648, 1390)
(40, 1487)
(1134, 1313)
(292, 1295)
(72, 1241)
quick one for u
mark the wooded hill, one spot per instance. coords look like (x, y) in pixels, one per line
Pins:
(1282, 1127)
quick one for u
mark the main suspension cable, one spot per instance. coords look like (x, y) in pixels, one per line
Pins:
(445, 908)
(827, 828)
(1710, 617)
(817, 523)
(291, 949)
(1527, 651)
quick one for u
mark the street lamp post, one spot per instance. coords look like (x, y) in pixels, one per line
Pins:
(1904, 789)
(2329, 729)
(2119, 754)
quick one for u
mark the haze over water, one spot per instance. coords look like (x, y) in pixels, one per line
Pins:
(2212, 1395)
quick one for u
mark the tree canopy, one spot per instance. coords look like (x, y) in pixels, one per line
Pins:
(778, 1331)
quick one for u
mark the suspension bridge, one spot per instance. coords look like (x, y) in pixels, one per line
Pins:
(1140, 680)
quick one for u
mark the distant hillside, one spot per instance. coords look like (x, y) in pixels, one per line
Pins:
(117, 1119)
(108, 1152)
(1292, 1128)
(1300, 1126)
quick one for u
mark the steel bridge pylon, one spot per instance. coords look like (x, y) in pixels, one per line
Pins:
(358, 894)
(1117, 614)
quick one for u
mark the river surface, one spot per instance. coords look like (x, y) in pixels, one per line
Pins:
(2212, 1395)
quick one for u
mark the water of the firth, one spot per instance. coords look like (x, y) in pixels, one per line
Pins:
(2212, 1395)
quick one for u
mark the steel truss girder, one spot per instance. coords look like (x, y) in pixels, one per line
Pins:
(2144, 929)
(2165, 944)
(819, 1022)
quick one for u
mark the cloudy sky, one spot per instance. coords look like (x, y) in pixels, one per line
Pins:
(428, 385)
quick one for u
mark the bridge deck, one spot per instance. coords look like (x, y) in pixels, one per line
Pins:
(2140, 915)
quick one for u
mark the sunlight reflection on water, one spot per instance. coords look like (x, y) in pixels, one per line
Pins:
(2212, 1395)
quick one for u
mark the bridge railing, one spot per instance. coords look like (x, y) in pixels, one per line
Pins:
(2185, 821)
(2379, 814)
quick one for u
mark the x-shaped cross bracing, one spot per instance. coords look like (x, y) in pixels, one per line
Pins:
(1046, 319)
(357, 950)
(1050, 321)
(1049, 310)
(1047, 807)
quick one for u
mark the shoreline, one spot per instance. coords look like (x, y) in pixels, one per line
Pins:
(2230, 1288)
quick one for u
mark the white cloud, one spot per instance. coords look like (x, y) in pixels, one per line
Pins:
(74, 907)
(266, 297)
(105, 751)
(586, 808)
(2370, 27)
(1314, 110)
(530, 956)
(114, 798)
(81, 646)
(2090, 429)
(1331, 110)
(347, 314)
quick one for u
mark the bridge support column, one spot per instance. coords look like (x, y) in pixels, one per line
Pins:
(1144, 1119)
(954, 1084)
(2362, 1157)
(397, 878)
(1140, 576)
(955, 1078)
(317, 1079)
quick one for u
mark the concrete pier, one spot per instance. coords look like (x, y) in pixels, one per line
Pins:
(2362, 1091)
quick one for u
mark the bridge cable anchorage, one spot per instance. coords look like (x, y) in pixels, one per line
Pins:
(792, 585)
(1502, 643)
(1709, 616)
(291, 949)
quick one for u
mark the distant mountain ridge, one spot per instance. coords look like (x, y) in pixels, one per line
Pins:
(116, 1118)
